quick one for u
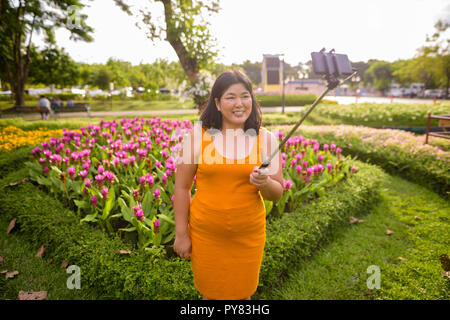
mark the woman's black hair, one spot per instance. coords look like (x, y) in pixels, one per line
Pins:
(212, 118)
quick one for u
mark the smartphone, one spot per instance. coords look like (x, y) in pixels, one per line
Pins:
(331, 63)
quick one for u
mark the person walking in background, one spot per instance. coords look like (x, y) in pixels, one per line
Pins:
(222, 231)
(44, 106)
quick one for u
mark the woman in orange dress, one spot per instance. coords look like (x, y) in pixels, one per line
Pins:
(222, 231)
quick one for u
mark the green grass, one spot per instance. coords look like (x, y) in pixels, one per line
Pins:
(19, 253)
(339, 270)
(119, 105)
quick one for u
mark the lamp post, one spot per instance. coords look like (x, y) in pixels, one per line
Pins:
(282, 85)
(111, 88)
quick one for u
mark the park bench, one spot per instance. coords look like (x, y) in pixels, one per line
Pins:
(77, 107)
(24, 110)
(444, 123)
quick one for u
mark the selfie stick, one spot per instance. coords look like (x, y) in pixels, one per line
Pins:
(333, 82)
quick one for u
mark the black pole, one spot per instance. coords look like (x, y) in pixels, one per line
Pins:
(332, 83)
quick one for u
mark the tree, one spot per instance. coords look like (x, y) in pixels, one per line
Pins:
(185, 29)
(20, 19)
(120, 70)
(253, 71)
(103, 77)
(422, 69)
(53, 66)
(439, 48)
(379, 74)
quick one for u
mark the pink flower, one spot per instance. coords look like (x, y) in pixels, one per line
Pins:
(109, 176)
(319, 168)
(94, 201)
(329, 167)
(287, 184)
(86, 165)
(320, 157)
(105, 192)
(71, 172)
(156, 226)
(149, 179)
(83, 174)
(138, 212)
(299, 169)
(87, 183)
(157, 194)
(101, 170)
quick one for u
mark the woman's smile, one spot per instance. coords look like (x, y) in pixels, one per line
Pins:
(235, 106)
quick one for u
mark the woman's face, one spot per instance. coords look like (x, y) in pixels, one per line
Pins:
(235, 106)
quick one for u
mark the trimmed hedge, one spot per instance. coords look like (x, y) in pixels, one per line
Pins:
(140, 275)
(289, 100)
(14, 160)
(434, 177)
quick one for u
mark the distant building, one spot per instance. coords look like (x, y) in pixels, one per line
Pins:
(271, 74)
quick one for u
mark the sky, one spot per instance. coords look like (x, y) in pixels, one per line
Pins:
(246, 29)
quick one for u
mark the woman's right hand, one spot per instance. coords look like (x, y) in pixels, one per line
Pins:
(183, 246)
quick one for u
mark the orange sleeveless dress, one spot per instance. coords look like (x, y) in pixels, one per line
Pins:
(227, 224)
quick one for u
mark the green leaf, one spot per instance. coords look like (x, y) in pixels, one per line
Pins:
(89, 218)
(128, 229)
(268, 205)
(109, 203)
(126, 211)
(82, 204)
(44, 181)
(169, 237)
(157, 238)
(147, 205)
(166, 218)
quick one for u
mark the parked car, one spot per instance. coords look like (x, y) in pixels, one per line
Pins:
(394, 92)
(431, 93)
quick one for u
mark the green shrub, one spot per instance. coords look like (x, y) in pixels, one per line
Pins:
(379, 114)
(398, 152)
(14, 160)
(290, 100)
(139, 275)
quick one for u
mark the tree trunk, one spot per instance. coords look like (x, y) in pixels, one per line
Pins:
(188, 64)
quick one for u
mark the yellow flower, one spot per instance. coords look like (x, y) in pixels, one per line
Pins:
(12, 137)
